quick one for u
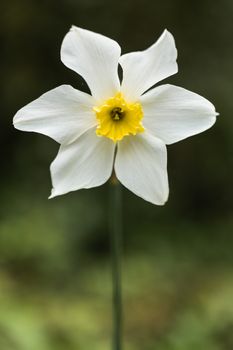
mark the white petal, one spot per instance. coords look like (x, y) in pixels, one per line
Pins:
(172, 113)
(85, 163)
(143, 69)
(62, 113)
(141, 166)
(95, 57)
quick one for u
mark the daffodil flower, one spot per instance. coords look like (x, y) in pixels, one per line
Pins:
(122, 126)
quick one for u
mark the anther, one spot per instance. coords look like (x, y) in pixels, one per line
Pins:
(116, 113)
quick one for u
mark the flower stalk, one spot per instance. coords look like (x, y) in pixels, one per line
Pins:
(116, 254)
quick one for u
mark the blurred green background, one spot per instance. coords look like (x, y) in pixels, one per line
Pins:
(55, 276)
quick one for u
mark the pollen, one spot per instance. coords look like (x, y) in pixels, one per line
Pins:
(118, 118)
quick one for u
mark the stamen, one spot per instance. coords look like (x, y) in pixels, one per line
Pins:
(117, 113)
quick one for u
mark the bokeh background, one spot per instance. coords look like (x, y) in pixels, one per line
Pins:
(55, 275)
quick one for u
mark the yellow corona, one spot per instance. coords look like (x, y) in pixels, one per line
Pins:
(117, 118)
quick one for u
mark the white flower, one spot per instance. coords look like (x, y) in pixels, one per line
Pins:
(120, 126)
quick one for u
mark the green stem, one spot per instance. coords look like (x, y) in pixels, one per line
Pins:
(116, 247)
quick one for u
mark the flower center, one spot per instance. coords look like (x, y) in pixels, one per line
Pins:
(117, 118)
(117, 113)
